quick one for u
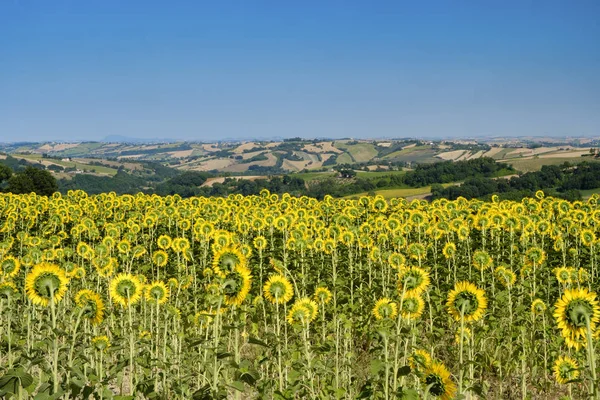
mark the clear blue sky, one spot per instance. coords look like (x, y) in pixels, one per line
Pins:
(85, 69)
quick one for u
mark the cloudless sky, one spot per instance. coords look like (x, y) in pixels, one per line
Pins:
(206, 70)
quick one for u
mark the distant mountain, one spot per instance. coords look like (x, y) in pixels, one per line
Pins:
(125, 139)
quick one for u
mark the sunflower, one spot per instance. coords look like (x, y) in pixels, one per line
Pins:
(385, 309)
(238, 284)
(565, 369)
(449, 250)
(164, 242)
(91, 305)
(482, 260)
(10, 266)
(538, 307)
(226, 259)
(412, 307)
(563, 275)
(8, 290)
(437, 380)
(466, 335)
(278, 289)
(323, 295)
(505, 276)
(45, 282)
(299, 314)
(412, 280)
(419, 361)
(125, 289)
(310, 305)
(157, 292)
(160, 258)
(101, 343)
(260, 243)
(468, 299)
(573, 311)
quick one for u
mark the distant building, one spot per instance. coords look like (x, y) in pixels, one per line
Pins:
(68, 159)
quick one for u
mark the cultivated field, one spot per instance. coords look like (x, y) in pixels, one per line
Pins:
(292, 298)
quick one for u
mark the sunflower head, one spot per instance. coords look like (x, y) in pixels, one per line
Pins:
(8, 290)
(466, 300)
(299, 314)
(385, 309)
(565, 369)
(419, 361)
(323, 295)
(157, 292)
(101, 343)
(91, 304)
(237, 285)
(412, 306)
(438, 382)
(10, 266)
(46, 282)
(505, 276)
(126, 289)
(412, 280)
(573, 311)
(226, 259)
(278, 289)
(538, 307)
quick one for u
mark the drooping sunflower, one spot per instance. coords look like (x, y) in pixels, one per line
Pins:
(412, 307)
(310, 306)
(278, 289)
(437, 379)
(239, 282)
(449, 250)
(226, 259)
(160, 258)
(419, 361)
(101, 343)
(45, 282)
(91, 305)
(482, 260)
(125, 289)
(505, 276)
(466, 335)
(299, 314)
(538, 307)
(573, 311)
(157, 293)
(8, 290)
(323, 295)
(468, 299)
(412, 280)
(10, 266)
(565, 369)
(385, 309)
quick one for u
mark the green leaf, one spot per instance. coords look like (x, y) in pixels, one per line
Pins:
(253, 340)
(404, 371)
(237, 385)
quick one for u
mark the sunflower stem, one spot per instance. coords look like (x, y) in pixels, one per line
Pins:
(591, 356)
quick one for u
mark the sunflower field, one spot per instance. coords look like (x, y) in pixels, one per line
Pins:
(135, 297)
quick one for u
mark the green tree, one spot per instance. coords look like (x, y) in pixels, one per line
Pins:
(33, 180)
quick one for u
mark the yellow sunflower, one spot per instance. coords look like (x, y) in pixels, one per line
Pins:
(160, 258)
(125, 289)
(299, 314)
(10, 266)
(412, 307)
(226, 259)
(437, 379)
(323, 295)
(157, 292)
(573, 311)
(101, 343)
(505, 276)
(238, 284)
(565, 369)
(45, 282)
(468, 299)
(91, 305)
(419, 361)
(8, 290)
(278, 289)
(538, 307)
(385, 309)
(412, 280)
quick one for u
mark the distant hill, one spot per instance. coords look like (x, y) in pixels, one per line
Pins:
(126, 139)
